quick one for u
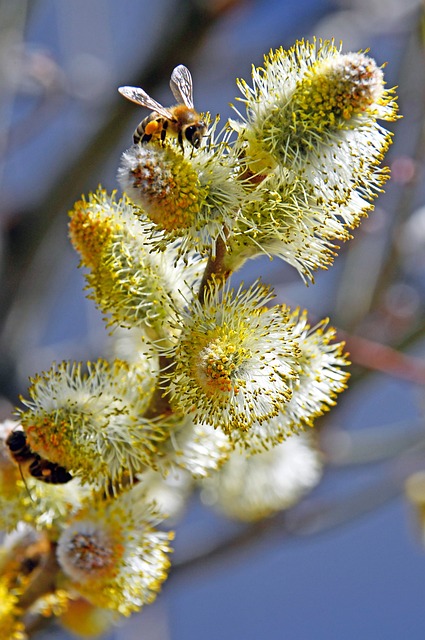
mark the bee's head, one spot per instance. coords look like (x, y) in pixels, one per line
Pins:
(195, 132)
(16, 440)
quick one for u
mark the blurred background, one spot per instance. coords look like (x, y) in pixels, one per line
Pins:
(347, 562)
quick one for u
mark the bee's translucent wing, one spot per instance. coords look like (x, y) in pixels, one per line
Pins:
(181, 85)
(137, 95)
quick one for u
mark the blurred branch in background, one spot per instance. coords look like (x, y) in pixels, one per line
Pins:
(315, 516)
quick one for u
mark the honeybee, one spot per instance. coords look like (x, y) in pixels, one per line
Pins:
(44, 470)
(181, 120)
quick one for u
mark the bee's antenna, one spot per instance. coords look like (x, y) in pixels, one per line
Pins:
(25, 483)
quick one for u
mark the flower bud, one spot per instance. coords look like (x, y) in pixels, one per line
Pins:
(321, 377)
(193, 198)
(310, 97)
(91, 423)
(135, 285)
(112, 555)
(235, 360)
(162, 181)
(251, 487)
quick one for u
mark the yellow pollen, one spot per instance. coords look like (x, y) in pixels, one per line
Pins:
(337, 89)
(219, 362)
(89, 233)
(168, 188)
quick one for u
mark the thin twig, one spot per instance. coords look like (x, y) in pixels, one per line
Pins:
(380, 357)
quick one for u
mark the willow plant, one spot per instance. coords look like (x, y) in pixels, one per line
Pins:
(204, 385)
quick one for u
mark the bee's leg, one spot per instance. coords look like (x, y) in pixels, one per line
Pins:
(164, 131)
(180, 140)
(48, 472)
(145, 138)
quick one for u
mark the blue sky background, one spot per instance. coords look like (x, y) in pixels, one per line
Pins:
(365, 577)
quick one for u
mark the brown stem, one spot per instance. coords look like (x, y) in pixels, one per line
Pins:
(159, 404)
(215, 267)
